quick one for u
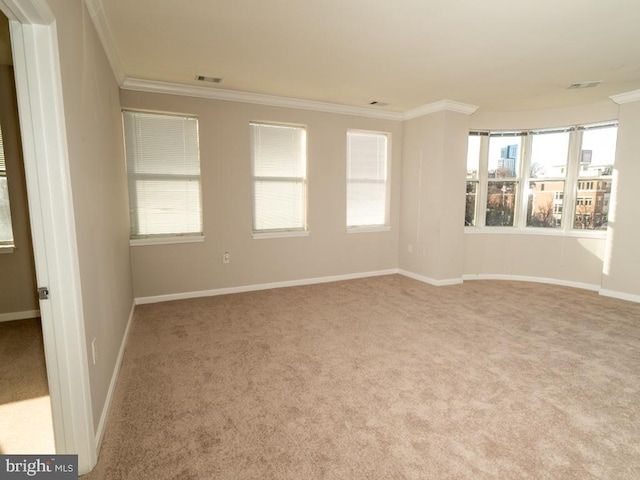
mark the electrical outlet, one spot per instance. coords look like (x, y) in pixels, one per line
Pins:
(226, 257)
(94, 350)
(410, 248)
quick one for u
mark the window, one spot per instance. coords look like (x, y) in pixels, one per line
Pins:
(367, 174)
(597, 154)
(547, 178)
(523, 179)
(473, 169)
(6, 232)
(504, 180)
(279, 169)
(163, 168)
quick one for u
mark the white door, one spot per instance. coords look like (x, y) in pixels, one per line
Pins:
(41, 113)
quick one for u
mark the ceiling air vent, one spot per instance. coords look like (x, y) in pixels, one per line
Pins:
(203, 78)
(584, 84)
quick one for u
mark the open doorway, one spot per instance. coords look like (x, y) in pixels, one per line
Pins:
(26, 424)
(46, 164)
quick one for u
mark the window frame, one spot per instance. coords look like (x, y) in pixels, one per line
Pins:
(164, 238)
(7, 246)
(378, 227)
(303, 231)
(518, 179)
(591, 181)
(481, 178)
(571, 184)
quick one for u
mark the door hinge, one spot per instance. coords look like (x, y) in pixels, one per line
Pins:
(43, 293)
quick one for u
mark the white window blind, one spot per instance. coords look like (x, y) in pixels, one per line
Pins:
(278, 160)
(367, 189)
(163, 167)
(6, 232)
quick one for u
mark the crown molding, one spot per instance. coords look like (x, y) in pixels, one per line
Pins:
(626, 97)
(153, 86)
(101, 24)
(441, 106)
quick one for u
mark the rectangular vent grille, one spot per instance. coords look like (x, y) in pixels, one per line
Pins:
(203, 78)
(584, 84)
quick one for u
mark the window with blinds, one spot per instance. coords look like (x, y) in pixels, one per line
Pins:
(279, 170)
(367, 174)
(163, 168)
(6, 232)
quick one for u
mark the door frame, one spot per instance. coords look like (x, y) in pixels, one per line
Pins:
(46, 161)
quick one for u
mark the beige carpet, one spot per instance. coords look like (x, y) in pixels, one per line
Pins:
(26, 425)
(380, 378)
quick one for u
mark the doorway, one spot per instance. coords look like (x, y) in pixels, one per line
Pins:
(26, 424)
(42, 121)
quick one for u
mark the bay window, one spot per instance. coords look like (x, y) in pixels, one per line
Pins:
(523, 180)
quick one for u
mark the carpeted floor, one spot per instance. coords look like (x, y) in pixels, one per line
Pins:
(380, 378)
(26, 425)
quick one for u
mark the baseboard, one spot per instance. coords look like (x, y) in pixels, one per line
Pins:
(261, 286)
(431, 281)
(619, 295)
(112, 385)
(8, 317)
(526, 278)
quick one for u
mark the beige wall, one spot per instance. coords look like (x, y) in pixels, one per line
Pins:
(566, 259)
(428, 162)
(5, 41)
(622, 264)
(17, 270)
(433, 192)
(544, 118)
(94, 133)
(227, 205)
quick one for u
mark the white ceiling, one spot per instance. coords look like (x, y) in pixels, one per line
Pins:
(497, 54)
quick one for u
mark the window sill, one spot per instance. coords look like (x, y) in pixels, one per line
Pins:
(282, 234)
(544, 232)
(140, 242)
(369, 229)
(7, 249)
